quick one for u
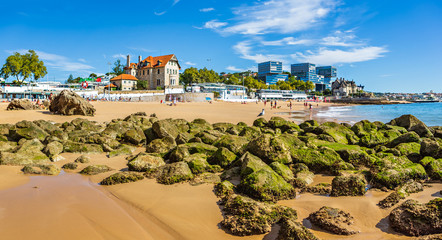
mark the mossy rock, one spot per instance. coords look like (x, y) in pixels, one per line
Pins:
(244, 216)
(396, 173)
(70, 166)
(53, 148)
(333, 220)
(283, 124)
(122, 150)
(161, 146)
(303, 178)
(430, 148)
(378, 138)
(266, 185)
(170, 127)
(222, 157)
(224, 189)
(28, 152)
(83, 159)
(144, 161)
(75, 147)
(294, 230)
(206, 138)
(236, 144)
(251, 163)
(44, 169)
(179, 153)
(270, 149)
(135, 136)
(338, 132)
(405, 138)
(308, 123)
(411, 123)
(175, 173)
(199, 124)
(205, 178)
(318, 160)
(356, 157)
(47, 126)
(122, 177)
(250, 132)
(201, 148)
(95, 169)
(6, 146)
(350, 185)
(363, 128)
(198, 164)
(260, 122)
(28, 130)
(283, 170)
(433, 167)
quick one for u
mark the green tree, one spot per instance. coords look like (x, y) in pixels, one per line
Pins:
(327, 92)
(208, 75)
(24, 66)
(93, 75)
(118, 68)
(189, 76)
(142, 85)
(232, 80)
(70, 79)
(309, 86)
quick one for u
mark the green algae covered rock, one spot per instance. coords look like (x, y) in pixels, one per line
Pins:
(122, 150)
(76, 147)
(175, 173)
(135, 136)
(283, 170)
(27, 152)
(338, 132)
(433, 167)
(270, 149)
(222, 157)
(266, 185)
(405, 138)
(260, 122)
(415, 219)
(350, 185)
(201, 148)
(401, 192)
(83, 159)
(45, 169)
(198, 164)
(6, 146)
(144, 161)
(28, 130)
(95, 169)
(179, 153)
(430, 148)
(303, 178)
(283, 124)
(294, 230)
(170, 127)
(411, 123)
(53, 148)
(161, 146)
(318, 160)
(122, 177)
(224, 189)
(236, 144)
(70, 166)
(244, 216)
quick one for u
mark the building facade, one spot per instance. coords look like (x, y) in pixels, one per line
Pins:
(328, 72)
(305, 72)
(125, 82)
(159, 72)
(342, 87)
(271, 72)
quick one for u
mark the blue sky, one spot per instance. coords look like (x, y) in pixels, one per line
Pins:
(386, 45)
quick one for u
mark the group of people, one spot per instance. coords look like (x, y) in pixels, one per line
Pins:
(273, 104)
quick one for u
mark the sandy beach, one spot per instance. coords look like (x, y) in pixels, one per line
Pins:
(214, 112)
(71, 206)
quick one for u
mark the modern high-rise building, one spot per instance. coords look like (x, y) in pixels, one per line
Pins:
(329, 73)
(271, 72)
(305, 72)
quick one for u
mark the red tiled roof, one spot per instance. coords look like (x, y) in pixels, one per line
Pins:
(111, 85)
(124, 77)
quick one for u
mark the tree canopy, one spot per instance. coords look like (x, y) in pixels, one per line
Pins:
(193, 75)
(118, 67)
(24, 66)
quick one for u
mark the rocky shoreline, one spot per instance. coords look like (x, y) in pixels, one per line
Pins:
(253, 167)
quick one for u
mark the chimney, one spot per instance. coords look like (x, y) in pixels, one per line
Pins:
(128, 61)
(139, 59)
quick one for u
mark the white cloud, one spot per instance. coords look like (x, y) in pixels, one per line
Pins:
(279, 16)
(159, 13)
(175, 2)
(234, 69)
(81, 60)
(207, 9)
(287, 41)
(58, 62)
(342, 39)
(119, 55)
(328, 57)
(214, 24)
(244, 49)
(190, 63)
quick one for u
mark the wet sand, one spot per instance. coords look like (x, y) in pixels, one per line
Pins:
(215, 112)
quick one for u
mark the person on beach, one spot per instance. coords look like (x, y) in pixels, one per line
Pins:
(290, 105)
(274, 105)
(271, 104)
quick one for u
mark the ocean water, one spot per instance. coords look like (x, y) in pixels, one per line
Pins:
(429, 113)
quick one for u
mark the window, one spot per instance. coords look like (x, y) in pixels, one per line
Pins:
(147, 71)
(168, 71)
(158, 71)
(144, 72)
(158, 82)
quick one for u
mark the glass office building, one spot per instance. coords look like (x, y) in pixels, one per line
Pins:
(305, 72)
(271, 72)
(329, 73)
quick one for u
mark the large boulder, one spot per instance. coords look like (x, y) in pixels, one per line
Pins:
(405, 138)
(282, 124)
(416, 219)
(41, 169)
(28, 152)
(430, 148)
(318, 160)
(333, 220)
(349, 185)
(294, 230)
(174, 173)
(244, 216)
(270, 149)
(402, 192)
(170, 127)
(28, 130)
(433, 167)
(21, 104)
(236, 144)
(222, 157)
(144, 161)
(95, 169)
(411, 123)
(161, 146)
(69, 103)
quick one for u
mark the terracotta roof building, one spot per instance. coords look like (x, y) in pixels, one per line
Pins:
(125, 82)
(160, 71)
